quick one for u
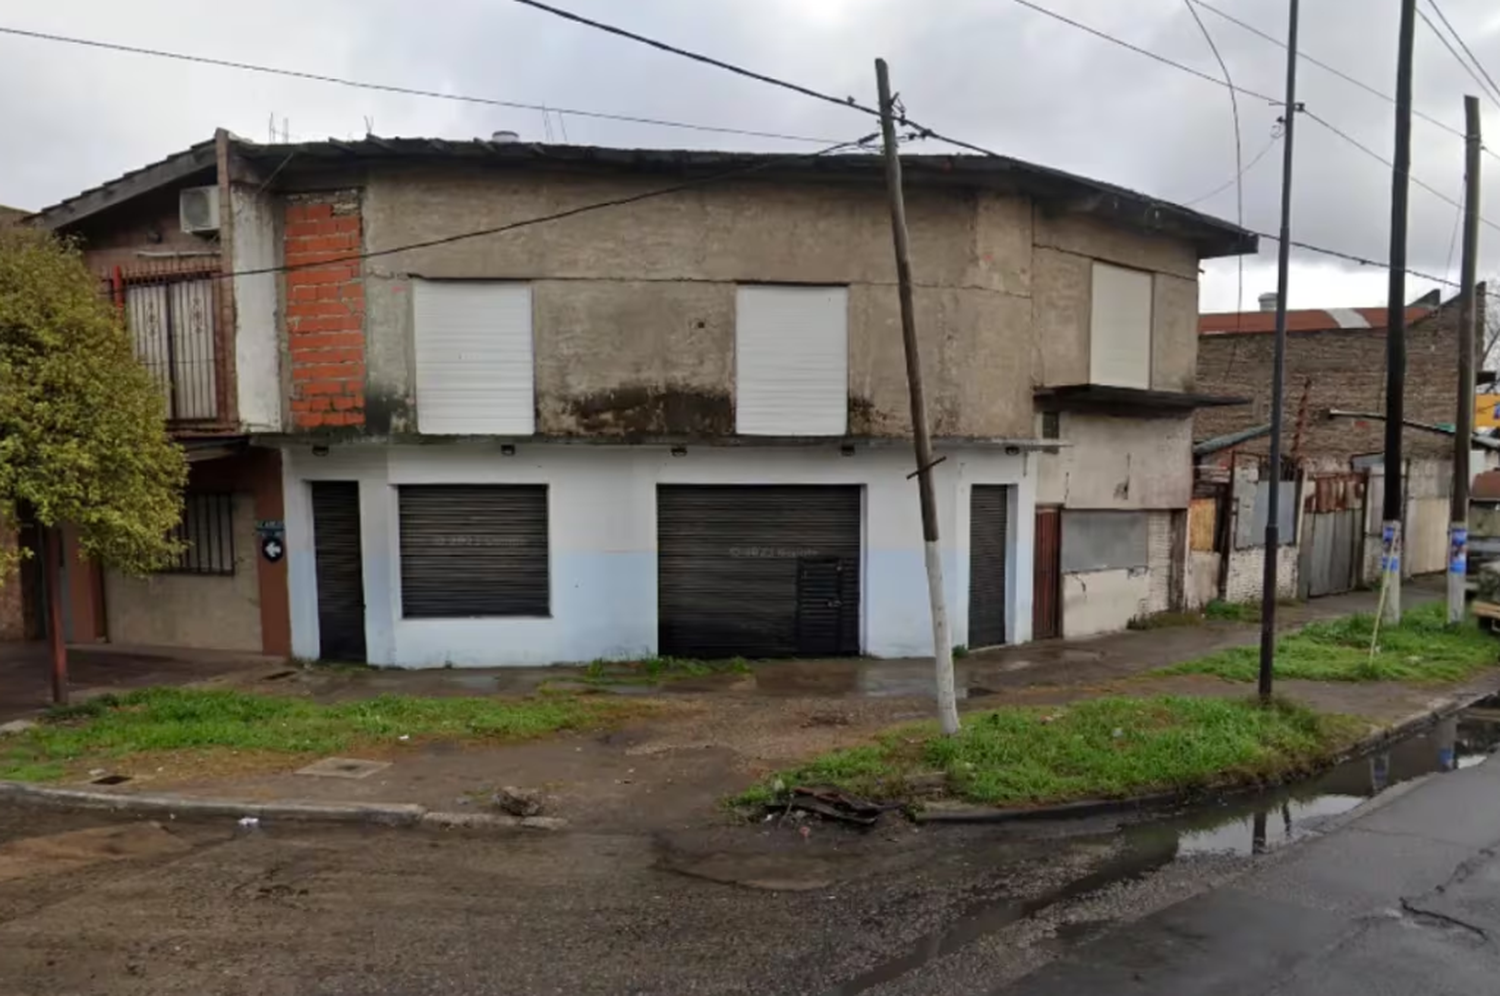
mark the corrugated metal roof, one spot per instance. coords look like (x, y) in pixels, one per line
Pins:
(1319, 320)
(1214, 236)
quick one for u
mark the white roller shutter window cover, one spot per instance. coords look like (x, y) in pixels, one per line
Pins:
(792, 361)
(475, 372)
(1120, 327)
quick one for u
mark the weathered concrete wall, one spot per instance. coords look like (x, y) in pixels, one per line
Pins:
(193, 610)
(634, 308)
(1246, 579)
(257, 340)
(1118, 463)
(1202, 581)
(1104, 601)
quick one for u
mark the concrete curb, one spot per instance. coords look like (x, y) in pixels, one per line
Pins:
(1410, 725)
(370, 814)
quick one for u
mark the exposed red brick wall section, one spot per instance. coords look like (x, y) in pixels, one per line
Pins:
(325, 310)
(1342, 369)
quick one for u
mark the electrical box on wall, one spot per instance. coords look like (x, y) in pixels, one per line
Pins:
(198, 210)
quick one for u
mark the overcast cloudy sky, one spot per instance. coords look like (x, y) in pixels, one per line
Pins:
(990, 71)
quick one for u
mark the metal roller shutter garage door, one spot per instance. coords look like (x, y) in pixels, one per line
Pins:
(989, 505)
(473, 550)
(758, 571)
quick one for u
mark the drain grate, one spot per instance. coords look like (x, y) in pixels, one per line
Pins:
(110, 780)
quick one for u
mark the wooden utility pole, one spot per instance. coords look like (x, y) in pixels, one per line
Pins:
(52, 555)
(942, 643)
(1463, 431)
(1395, 336)
(1269, 578)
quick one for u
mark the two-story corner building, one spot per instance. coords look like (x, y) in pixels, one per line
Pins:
(165, 240)
(680, 425)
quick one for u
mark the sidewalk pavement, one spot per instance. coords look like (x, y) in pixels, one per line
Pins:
(1402, 899)
(706, 738)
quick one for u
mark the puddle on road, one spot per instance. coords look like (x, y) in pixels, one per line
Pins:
(1249, 825)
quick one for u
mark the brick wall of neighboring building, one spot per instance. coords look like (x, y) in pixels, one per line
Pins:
(1339, 369)
(325, 310)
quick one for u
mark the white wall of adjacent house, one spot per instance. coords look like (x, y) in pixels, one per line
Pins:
(603, 541)
(257, 349)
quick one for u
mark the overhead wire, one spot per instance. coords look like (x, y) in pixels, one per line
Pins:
(1254, 161)
(1239, 151)
(1389, 165)
(1493, 90)
(758, 167)
(405, 90)
(1353, 80)
(1134, 48)
(924, 132)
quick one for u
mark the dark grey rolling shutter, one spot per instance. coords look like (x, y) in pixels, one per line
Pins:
(340, 571)
(474, 550)
(758, 571)
(989, 505)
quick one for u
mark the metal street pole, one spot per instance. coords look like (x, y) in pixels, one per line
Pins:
(942, 643)
(1278, 369)
(1463, 431)
(1395, 336)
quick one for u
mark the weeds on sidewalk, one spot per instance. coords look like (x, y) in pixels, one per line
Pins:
(658, 670)
(111, 727)
(1104, 748)
(1423, 648)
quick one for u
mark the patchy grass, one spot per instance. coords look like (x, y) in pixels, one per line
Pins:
(659, 670)
(1241, 612)
(1104, 748)
(1423, 648)
(164, 720)
(1165, 620)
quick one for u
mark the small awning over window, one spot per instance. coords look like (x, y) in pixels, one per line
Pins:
(1098, 399)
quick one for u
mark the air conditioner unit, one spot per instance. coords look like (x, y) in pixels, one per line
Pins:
(198, 209)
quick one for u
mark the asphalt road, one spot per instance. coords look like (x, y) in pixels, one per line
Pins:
(1401, 896)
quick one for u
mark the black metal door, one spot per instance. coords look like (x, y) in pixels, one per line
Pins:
(340, 570)
(823, 607)
(988, 542)
(473, 550)
(758, 571)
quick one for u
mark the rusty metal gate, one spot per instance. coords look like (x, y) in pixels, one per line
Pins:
(1332, 534)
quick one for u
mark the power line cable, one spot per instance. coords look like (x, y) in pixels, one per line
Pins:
(1355, 81)
(1351, 257)
(1254, 161)
(1134, 48)
(708, 60)
(559, 215)
(1494, 91)
(392, 88)
(1389, 165)
(1239, 149)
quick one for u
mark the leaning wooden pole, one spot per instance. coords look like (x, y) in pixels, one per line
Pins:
(942, 643)
(52, 554)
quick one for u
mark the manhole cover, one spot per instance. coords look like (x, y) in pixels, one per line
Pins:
(343, 767)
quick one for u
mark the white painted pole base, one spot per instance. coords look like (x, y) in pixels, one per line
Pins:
(942, 641)
(1458, 569)
(1390, 570)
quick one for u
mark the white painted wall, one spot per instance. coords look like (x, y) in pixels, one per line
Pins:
(1103, 601)
(257, 344)
(602, 518)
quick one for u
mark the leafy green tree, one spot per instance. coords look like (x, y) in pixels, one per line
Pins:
(82, 432)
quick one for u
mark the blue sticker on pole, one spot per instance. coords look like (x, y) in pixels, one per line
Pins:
(1458, 550)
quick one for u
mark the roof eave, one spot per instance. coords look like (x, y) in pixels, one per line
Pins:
(173, 169)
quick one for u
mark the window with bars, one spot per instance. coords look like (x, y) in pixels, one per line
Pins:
(206, 532)
(172, 321)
